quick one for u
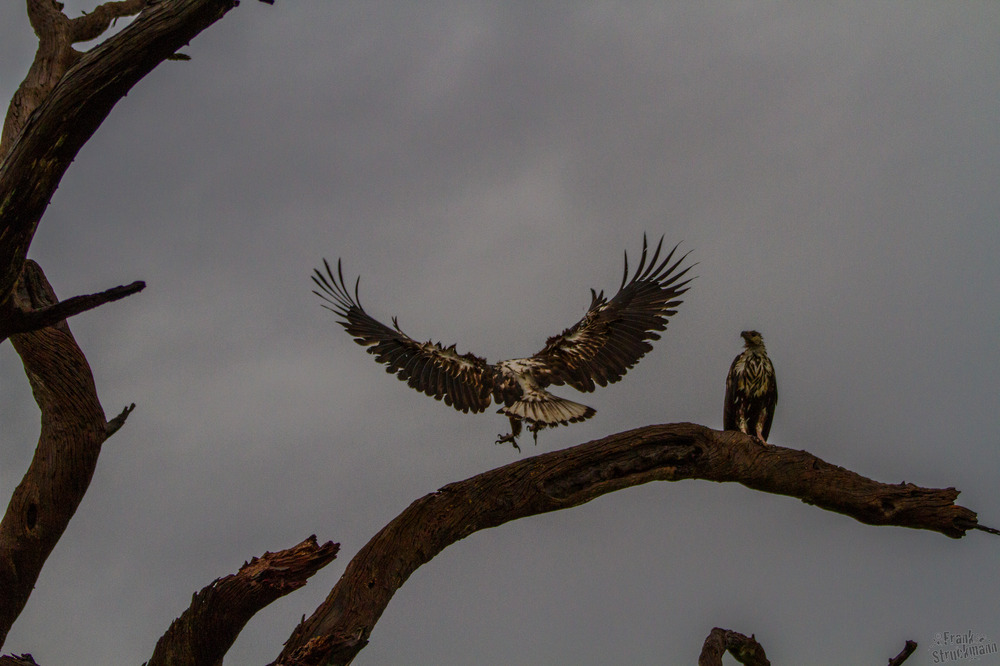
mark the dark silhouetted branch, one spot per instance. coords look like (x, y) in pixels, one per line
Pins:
(20, 660)
(340, 627)
(14, 320)
(51, 118)
(206, 630)
(908, 649)
(116, 423)
(745, 649)
(63, 99)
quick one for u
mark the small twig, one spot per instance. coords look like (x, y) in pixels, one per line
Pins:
(983, 528)
(93, 24)
(904, 655)
(116, 423)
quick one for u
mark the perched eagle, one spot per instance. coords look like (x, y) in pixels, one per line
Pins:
(611, 338)
(751, 390)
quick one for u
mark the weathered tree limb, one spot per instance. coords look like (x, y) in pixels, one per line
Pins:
(56, 34)
(340, 627)
(21, 660)
(61, 103)
(68, 95)
(72, 431)
(203, 634)
(908, 649)
(93, 24)
(745, 649)
(14, 320)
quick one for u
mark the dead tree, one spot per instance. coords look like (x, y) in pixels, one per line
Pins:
(65, 97)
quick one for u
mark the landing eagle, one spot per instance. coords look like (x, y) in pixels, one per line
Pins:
(611, 338)
(751, 390)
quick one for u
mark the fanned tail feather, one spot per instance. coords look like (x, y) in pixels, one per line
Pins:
(548, 410)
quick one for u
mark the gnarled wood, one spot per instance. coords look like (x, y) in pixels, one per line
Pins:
(14, 320)
(66, 98)
(20, 660)
(56, 34)
(72, 432)
(340, 627)
(61, 103)
(207, 629)
(745, 649)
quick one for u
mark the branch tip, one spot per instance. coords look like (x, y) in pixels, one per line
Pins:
(908, 649)
(36, 306)
(115, 424)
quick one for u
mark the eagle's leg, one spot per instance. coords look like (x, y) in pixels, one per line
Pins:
(515, 430)
(533, 428)
(760, 433)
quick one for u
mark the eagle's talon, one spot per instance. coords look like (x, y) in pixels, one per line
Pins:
(509, 438)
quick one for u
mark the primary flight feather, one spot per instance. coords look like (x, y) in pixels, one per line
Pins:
(598, 350)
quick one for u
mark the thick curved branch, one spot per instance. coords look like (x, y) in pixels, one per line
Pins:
(72, 431)
(36, 155)
(340, 627)
(745, 649)
(207, 629)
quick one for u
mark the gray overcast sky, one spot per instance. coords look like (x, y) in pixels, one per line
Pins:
(833, 167)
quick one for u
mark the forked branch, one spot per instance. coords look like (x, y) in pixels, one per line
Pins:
(54, 113)
(745, 649)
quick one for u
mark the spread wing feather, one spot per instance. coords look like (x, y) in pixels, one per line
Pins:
(615, 334)
(464, 381)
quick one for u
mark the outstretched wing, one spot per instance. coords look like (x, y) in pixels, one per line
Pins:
(615, 334)
(464, 381)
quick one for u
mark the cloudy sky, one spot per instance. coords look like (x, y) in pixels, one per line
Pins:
(833, 167)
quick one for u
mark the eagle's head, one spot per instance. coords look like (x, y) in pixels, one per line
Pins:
(752, 339)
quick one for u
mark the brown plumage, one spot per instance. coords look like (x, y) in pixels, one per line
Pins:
(751, 390)
(598, 350)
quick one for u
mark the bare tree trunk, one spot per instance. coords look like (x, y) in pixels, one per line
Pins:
(73, 430)
(61, 103)
(67, 95)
